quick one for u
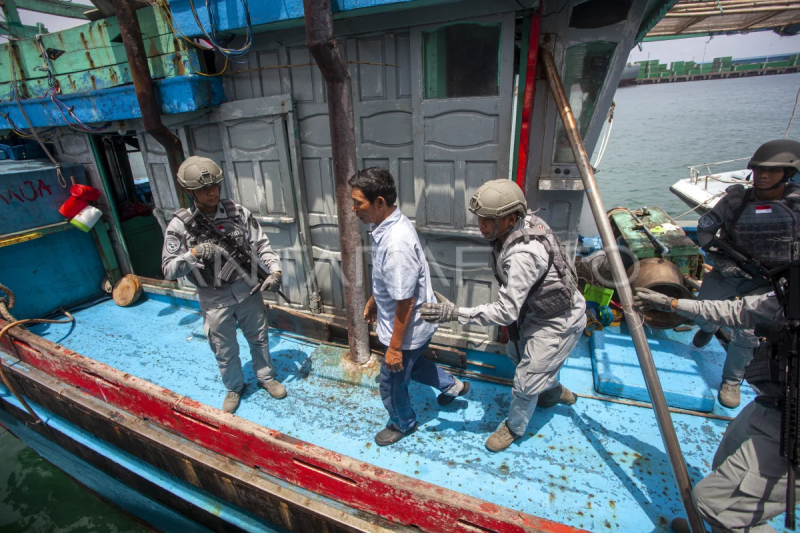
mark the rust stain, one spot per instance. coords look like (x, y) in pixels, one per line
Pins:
(153, 48)
(180, 68)
(94, 82)
(89, 58)
(71, 82)
(112, 74)
(612, 504)
(83, 40)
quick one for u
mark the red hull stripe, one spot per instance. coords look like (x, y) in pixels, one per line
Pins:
(355, 483)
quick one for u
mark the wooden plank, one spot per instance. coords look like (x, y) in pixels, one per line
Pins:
(93, 45)
(163, 66)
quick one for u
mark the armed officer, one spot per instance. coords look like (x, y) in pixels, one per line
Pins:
(197, 256)
(747, 485)
(762, 221)
(538, 301)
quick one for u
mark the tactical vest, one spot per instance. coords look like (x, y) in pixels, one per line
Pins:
(545, 298)
(766, 230)
(232, 225)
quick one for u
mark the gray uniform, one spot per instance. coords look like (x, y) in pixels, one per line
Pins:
(747, 486)
(544, 343)
(226, 304)
(763, 229)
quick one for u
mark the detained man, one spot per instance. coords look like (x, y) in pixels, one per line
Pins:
(401, 283)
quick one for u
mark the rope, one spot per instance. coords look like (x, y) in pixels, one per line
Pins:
(7, 302)
(698, 206)
(61, 180)
(796, 100)
(604, 143)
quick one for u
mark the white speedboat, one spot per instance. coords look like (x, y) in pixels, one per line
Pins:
(702, 191)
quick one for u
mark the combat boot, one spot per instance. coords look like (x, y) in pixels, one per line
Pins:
(274, 388)
(232, 399)
(729, 395)
(701, 338)
(501, 439)
(556, 395)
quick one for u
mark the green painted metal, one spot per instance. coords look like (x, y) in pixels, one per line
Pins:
(145, 239)
(62, 8)
(682, 251)
(163, 66)
(93, 45)
(523, 73)
(99, 162)
(100, 233)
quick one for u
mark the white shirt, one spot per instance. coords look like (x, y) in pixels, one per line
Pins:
(400, 271)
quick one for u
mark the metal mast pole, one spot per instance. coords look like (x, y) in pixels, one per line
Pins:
(320, 41)
(633, 319)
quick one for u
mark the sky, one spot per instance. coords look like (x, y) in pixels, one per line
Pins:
(761, 43)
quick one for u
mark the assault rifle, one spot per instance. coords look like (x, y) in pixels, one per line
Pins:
(238, 256)
(752, 267)
(785, 345)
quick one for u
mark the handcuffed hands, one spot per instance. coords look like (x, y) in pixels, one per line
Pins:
(273, 282)
(207, 251)
(439, 313)
(647, 299)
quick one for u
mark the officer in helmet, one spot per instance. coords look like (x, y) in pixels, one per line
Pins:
(762, 221)
(225, 305)
(747, 485)
(538, 301)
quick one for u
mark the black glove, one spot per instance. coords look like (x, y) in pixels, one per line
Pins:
(438, 313)
(647, 299)
(728, 268)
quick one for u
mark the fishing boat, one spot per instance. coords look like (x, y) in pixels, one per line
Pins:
(123, 393)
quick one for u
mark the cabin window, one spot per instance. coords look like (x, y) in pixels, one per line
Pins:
(599, 13)
(584, 74)
(462, 60)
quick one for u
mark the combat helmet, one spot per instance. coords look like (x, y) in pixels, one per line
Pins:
(498, 198)
(782, 153)
(198, 172)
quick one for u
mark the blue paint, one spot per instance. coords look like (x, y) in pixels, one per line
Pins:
(590, 453)
(58, 269)
(30, 194)
(230, 15)
(135, 503)
(617, 371)
(177, 94)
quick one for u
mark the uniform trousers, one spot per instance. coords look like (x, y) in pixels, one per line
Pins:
(740, 349)
(747, 486)
(220, 328)
(538, 358)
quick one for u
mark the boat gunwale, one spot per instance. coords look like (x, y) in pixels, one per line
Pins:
(363, 486)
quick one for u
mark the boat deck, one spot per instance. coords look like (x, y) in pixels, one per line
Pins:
(596, 465)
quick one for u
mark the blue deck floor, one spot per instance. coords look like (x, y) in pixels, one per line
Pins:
(595, 465)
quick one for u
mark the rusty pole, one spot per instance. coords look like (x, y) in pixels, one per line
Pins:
(625, 293)
(131, 35)
(320, 41)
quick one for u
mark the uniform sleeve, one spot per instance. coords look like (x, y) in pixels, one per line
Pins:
(260, 243)
(710, 223)
(176, 258)
(401, 271)
(523, 270)
(744, 313)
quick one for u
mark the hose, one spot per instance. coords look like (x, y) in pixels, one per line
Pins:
(6, 303)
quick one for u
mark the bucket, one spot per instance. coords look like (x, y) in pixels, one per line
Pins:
(661, 276)
(87, 218)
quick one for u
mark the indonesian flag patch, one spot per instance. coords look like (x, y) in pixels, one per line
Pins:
(763, 209)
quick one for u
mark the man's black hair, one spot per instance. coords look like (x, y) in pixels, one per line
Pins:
(375, 182)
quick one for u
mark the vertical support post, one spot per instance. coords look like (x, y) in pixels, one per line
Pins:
(633, 319)
(527, 101)
(323, 47)
(132, 39)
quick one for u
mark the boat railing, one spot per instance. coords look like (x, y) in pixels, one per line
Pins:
(694, 172)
